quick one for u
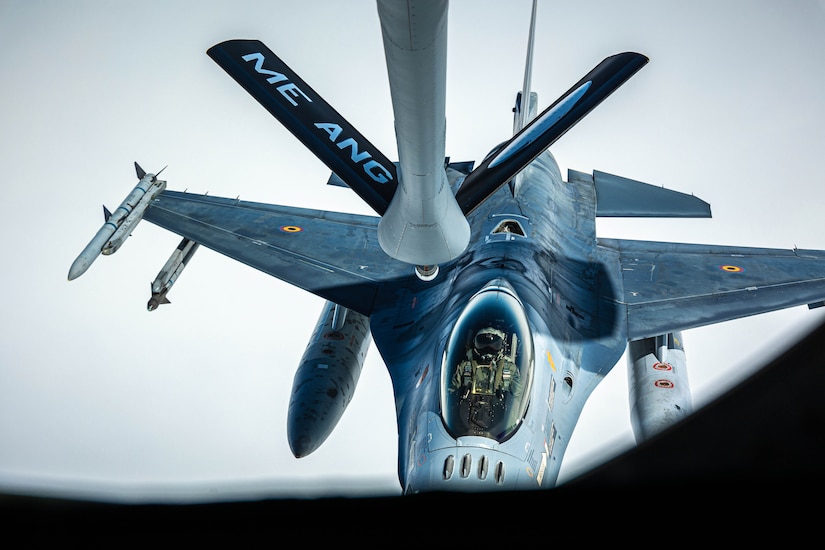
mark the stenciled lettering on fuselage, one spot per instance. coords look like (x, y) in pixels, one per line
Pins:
(293, 93)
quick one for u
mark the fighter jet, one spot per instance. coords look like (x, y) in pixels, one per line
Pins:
(495, 306)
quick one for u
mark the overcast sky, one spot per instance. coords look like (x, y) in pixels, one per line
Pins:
(100, 397)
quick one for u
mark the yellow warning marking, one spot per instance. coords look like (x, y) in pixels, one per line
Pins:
(550, 360)
(291, 229)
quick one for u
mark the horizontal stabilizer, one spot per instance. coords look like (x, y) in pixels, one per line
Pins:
(311, 119)
(501, 166)
(622, 197)
(680, 286)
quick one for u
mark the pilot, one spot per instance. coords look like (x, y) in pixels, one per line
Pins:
(487, 370)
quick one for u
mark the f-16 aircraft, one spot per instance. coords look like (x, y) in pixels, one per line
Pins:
(484, 286)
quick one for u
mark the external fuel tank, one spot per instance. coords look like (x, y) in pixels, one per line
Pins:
(658, 384)
(326, 378)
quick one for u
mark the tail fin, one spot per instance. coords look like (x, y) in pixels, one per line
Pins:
(525, 108)
(141, 173)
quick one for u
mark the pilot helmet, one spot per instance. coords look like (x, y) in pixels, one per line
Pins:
(488, 343)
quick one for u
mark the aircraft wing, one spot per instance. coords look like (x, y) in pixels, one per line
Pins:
(677, 286)
(333, 255)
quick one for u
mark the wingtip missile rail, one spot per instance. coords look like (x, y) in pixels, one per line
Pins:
(119, 224)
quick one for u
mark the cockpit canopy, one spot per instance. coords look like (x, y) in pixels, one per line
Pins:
(488, 366)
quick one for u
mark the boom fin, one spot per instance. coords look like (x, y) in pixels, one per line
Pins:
(311, 119)
(501, 166)
(524, 106)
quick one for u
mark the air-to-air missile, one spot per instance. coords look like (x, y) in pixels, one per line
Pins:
(170, 272)
(119, 224)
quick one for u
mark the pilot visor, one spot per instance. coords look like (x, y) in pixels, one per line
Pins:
(488, 342)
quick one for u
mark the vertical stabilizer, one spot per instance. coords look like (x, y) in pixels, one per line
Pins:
(526, 108)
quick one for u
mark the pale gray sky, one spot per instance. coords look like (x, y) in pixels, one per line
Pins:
(97, 394)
